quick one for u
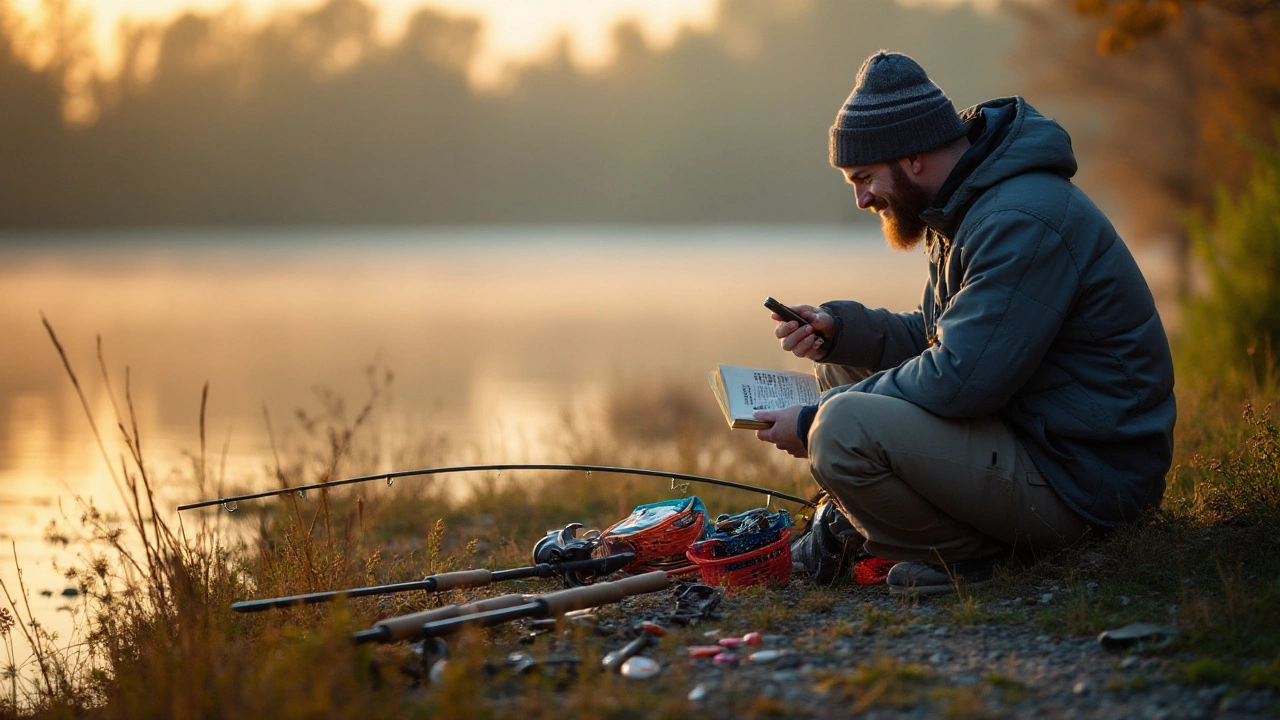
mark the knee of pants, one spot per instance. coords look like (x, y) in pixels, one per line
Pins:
(838, 439)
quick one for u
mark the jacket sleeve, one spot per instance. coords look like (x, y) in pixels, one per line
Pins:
(1017, 282)
(874, 338)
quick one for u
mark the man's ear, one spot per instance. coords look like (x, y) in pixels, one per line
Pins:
(915, 163)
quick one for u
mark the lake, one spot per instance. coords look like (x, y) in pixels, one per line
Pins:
(493, 334)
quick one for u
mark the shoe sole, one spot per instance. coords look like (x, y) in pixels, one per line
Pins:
(934, 589)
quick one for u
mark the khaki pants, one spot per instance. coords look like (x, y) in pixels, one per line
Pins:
(927, 488)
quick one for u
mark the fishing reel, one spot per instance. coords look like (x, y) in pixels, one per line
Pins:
(564, 545)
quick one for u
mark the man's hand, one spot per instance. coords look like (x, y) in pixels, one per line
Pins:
(804, 340)
(783, 432)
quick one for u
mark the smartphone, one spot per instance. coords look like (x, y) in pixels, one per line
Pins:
(785, 312)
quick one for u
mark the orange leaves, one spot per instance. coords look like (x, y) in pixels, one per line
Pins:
(1130, 21)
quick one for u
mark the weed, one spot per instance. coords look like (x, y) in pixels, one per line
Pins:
(1207, 671)
(883, 681)
(765, 608)
(1262, 675)
(1136, 683)
(764, 706)
(962, 703)
(967, 611)
(1012, 690)
(835, 629)
(880, 618)
(819, 600)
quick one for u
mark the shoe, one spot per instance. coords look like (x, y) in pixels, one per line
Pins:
(929, 579)
(828, 545)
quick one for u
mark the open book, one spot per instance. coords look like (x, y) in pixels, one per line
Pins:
(743, 390)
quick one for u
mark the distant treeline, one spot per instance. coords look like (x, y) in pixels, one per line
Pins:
(311, 118)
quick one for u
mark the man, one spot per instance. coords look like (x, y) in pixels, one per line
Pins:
(1028, 402)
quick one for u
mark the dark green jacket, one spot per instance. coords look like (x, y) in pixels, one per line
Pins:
(1041, 318)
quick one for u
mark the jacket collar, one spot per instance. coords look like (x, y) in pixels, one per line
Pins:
(1007, 137)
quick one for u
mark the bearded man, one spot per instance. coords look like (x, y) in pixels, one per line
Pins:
(1028, 402)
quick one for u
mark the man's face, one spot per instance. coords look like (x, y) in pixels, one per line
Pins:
(886, 189)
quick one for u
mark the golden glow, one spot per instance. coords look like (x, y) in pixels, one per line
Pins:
(516, 30)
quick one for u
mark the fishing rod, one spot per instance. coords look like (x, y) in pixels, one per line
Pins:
(579, 571)
(495, 611)
(392, 476)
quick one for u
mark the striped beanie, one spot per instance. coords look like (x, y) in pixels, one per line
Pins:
(895, 111)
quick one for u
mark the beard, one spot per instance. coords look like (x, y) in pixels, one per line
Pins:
(903, 228)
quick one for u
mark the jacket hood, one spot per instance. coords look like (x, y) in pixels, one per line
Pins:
(1012, 138)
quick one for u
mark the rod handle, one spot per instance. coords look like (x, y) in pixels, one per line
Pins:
(409, 627)
(559, 603)
(462, 579)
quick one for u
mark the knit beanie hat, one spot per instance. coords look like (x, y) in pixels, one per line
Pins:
(895, 111)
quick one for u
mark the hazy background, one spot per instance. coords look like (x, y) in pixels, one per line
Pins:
(318, 116)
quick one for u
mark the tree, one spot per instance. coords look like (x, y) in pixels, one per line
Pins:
(1238, 317)
(1170, 91)
(32, 132)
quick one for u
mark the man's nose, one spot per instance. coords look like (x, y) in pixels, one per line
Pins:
(865, 198)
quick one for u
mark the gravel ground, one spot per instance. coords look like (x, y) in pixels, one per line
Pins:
(858, 651)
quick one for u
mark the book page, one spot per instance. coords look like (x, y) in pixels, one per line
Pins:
(717, 387)
(750, 389)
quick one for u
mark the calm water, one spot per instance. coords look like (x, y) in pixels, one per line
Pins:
(493, 335)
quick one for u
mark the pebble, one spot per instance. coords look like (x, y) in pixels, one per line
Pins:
(1080, 688)
(698, 693)
(436, 675)
(640, 668)
(765, 656)
(1046, 598)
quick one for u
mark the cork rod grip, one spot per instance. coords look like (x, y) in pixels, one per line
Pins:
(559, 603)
(462, 579)
(409, 627)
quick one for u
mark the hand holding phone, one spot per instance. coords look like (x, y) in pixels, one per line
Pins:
(788, 313)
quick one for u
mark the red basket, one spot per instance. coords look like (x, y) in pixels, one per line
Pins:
(771, 563)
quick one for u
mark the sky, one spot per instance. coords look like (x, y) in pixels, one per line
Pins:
(516, 29)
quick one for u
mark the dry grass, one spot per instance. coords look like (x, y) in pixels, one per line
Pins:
(162, 641)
